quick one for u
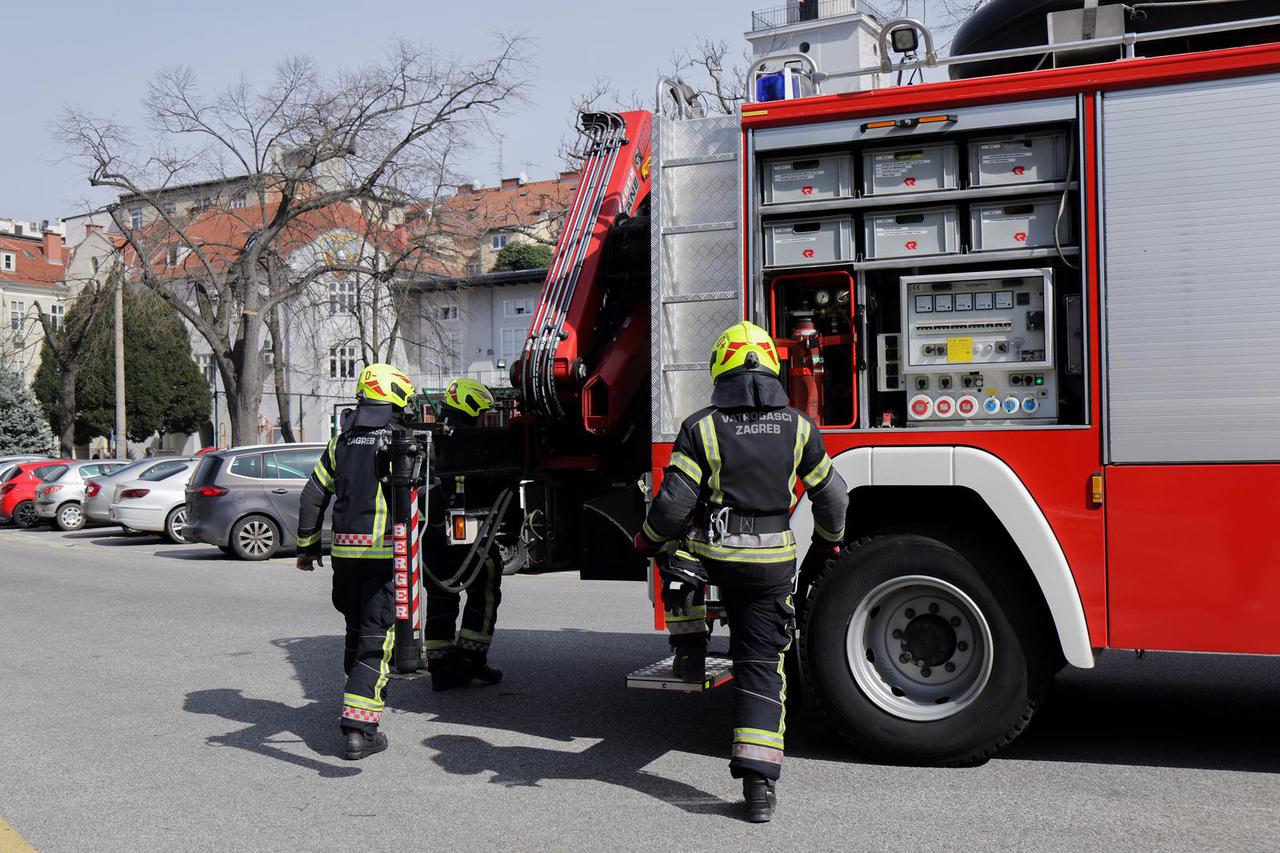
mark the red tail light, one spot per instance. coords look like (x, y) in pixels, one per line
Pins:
(6, 488)
(135, 493)
(212, 492)
(48, 490)
(92, 489)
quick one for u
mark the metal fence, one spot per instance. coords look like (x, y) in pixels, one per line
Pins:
(813, 10)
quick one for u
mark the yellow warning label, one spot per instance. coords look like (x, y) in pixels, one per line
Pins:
(959, 350)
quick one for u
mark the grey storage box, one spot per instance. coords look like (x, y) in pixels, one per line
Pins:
(804, 242)
(1002, 161)
(893, 171)
(808, 178)
(1018, 225)
(911, 233)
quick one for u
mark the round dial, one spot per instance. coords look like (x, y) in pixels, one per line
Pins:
(822, 297)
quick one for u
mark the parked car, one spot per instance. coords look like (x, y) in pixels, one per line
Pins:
(60, 498)
(18, 492)
(156, 501)
(245, 500)
(100, 491)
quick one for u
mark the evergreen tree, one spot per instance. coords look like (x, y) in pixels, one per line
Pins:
(164, 389)
(522, 256)
(22, 427)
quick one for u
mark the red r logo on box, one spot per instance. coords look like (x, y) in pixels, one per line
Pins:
(1019, 170)
(912, 245)
(808, 253)
(1021, 236)
(909, 182)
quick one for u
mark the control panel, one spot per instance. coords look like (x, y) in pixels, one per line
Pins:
(979, 346)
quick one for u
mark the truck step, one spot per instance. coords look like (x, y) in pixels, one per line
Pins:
(659, 676)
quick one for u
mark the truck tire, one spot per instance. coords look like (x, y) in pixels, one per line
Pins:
(69, 517)
(24, 515)
(918, 657)
(255, 537)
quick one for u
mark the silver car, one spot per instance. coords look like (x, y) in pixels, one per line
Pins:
(100, 491)
(60, 497)
(155, 502)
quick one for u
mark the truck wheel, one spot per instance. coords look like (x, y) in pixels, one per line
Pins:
(24, 515)
(69, 517)
(515, 557)
(915, 658)
(173, 524)
(255, 537)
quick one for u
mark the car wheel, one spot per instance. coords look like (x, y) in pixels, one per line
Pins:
(919, 656)
(255, 538)
(173, 524)
(24, 515)
(69, 517)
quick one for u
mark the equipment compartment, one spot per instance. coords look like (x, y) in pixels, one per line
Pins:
(808, 178)
(899, 171)
(912, 233)
(1031, 158)
(810, 241)
(1018, 225)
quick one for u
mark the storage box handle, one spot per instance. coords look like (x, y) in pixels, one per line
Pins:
(917, 154)
(909, 218)
(1019, 209)
(803, 165)
(806, 227)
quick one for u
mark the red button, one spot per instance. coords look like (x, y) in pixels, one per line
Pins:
(944, 407)
(967, 406)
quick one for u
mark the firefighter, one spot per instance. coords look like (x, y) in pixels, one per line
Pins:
(455, 660)
(725, 501)
(349, 471)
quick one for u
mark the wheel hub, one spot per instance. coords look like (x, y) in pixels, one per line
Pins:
(930, 639)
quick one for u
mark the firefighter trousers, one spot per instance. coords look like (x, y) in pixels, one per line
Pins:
(364, 593)
(479, 615)
(757, 601)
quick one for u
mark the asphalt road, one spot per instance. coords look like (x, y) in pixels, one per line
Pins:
(165, 697)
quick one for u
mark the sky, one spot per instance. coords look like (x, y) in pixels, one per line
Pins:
(101, 56)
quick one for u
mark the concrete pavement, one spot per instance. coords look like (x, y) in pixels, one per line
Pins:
(166, 697)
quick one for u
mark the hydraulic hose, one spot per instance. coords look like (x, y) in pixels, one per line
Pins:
(471, 566)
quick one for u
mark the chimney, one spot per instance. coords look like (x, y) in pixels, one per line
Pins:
(53, 253)
(465, 189)
(510, 183)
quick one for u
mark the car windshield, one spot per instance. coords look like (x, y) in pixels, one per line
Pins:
(7, 473)
(51, 473)
(131, 467)
(164, 471)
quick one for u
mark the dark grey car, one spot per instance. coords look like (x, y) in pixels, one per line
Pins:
(245, 500)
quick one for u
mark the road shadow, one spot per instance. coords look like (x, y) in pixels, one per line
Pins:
(200, 553)
(266, 725)
(1193, 711)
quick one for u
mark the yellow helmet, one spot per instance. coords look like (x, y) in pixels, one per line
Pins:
(384, 384)
(744, 347)
(468, 396)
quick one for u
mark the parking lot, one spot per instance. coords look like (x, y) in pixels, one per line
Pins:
(166, 697)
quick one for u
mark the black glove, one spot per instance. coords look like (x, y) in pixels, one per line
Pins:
(823, 554)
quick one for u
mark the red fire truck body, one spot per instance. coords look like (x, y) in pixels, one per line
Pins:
(1035, 317)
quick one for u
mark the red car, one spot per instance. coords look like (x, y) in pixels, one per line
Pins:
(18, 492)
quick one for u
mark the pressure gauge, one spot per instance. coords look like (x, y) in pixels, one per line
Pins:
(822, 298)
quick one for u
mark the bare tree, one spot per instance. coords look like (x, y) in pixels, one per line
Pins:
(286, 164)
(71, 343)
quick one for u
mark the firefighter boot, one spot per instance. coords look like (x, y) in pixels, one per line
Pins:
(690, 663)
(476, 665)
(447, 672)
(362, 744)
(761, 797)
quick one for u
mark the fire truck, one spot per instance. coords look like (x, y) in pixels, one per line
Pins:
(1033, 308)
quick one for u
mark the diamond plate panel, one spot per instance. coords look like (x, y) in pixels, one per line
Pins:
(684, 393)
(688, 196)
(701, 263)
(708, 192)
(690, 328)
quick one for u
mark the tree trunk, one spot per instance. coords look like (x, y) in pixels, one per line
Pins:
(278, 377)
(67, 410)
(244, 391)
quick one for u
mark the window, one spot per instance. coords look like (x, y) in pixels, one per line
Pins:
(237, 201)
(55, 316)
(165, 470)
(171, 256)
(7, 261)
(517, 307)
(170, 207)
(342, 295)
(447, 312)
(291, 464)
(497, 241)
(511, 345)
(342, 362)
(17, 230)
(207, 367)
(135, 218)
(53, 472)
(16, 310)
(248, 465)
(94, 263)
(203, 203)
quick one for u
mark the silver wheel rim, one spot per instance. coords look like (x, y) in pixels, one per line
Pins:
(919, 648)
(256, 538)
(176, 522)
(70, 515)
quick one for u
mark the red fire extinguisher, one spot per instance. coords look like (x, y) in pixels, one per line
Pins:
(806, 370)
